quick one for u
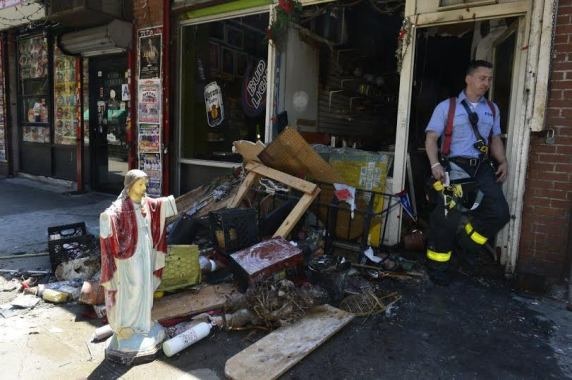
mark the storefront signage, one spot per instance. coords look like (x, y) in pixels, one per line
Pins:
(254, 90)
(213, 103)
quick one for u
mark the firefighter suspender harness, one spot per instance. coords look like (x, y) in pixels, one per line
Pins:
(443, 224)
(480, 145)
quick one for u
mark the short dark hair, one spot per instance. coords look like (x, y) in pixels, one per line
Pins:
(475, 64)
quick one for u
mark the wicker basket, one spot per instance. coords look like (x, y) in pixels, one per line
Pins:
(182, 267)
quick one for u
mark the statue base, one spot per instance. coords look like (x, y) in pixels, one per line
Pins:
(136, 350)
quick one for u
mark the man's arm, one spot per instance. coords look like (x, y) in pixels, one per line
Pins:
(432, 149)
(497, 152)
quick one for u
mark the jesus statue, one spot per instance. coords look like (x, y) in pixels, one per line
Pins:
(133, 250)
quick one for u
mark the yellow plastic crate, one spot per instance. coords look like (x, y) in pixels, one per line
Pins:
(182, 267)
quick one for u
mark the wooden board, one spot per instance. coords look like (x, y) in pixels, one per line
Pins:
(280, 350)
(250, 179)
(290, 153)
(192, 302)
(287, 179)
(297, 212)
(249, 150)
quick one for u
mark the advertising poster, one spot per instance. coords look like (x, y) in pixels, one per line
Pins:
(36, 134)
(150, 48)
(149, 138)
(150, 163)
(66, 102)
(2, 123)
(149, 97)
(33, 57)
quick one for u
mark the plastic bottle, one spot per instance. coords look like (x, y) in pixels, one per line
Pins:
(184, 340)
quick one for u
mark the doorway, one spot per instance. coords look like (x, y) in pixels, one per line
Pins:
(108, 110)
(441, 56)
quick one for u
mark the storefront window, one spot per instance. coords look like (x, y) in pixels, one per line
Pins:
(224, 86)
(66, 101)
(33, 69)
(2, 108)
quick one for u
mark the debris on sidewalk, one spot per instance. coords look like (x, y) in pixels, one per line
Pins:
(69, 242)
(278, 351)
(190, 302)
(83, 268)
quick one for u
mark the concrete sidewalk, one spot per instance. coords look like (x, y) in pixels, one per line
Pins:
(475, 328)
(28, 208)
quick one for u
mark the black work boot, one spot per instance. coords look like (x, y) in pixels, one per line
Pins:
(439, 273)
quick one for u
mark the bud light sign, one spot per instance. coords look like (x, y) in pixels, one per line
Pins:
(254, 90)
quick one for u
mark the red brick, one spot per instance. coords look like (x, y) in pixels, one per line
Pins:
(564, 167)
(549, 193)
(544, 167)
(551, 177)
(565, 140)
(562, 66)
(544, 148)
(563, 19)
(559, 57)
(556, 94)
(564, 149)
(558, 75)
(556, 158)
(566, 186)
(563, 29)
(560, 203)
(562, 84)
(559, 103)
(564, 10)
(561, 39)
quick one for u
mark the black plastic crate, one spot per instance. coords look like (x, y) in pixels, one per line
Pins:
(66, 231)
(233, 229)
(71, 248)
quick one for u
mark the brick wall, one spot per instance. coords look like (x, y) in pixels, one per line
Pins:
(147, 13)
(548, 192)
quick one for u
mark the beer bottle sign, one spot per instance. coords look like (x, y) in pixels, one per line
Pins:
(213, 98)
(214, 106)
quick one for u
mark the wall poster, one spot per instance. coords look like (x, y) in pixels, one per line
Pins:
(33, 57)
(149, 106)
(33, 77)
(150, 163)
(66, 98)
(149, 97)
(149, 138)
(150, 50)
(3, 155)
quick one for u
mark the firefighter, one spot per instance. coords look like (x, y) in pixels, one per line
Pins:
(469, 129)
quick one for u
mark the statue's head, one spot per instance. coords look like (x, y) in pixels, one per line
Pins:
(135, 184)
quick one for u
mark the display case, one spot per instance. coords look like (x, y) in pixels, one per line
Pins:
(34, 89)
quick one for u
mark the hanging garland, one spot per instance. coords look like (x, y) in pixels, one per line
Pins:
(403, 41)
(287, 11)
